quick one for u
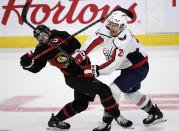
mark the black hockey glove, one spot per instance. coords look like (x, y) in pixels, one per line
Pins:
(26, 60)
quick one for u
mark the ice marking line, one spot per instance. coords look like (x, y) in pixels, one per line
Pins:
(16, 103)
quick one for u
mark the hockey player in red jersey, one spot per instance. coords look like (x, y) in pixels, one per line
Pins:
(122, 52)
(76, 77)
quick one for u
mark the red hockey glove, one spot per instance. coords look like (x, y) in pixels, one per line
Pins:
(91, 71)
(79, 56)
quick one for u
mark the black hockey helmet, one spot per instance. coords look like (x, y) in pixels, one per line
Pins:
(39, 29)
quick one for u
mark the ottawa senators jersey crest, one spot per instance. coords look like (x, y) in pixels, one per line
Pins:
(60, 60)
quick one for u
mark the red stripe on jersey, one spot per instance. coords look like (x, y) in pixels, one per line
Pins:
(42, 53)
(49, 49)
(110, 107)
(60, 40)
(95, 43)
(106, 99)
(139, 64)
(64, 72)
(108, 62)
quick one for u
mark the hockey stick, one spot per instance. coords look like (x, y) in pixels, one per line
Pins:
(127, 12)
(24, 14)
(24, 18)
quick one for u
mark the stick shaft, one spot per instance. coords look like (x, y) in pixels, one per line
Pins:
(24, 18)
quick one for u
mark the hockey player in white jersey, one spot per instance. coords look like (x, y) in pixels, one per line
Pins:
(122, 52)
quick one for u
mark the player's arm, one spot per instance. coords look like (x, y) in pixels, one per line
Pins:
(89, 45)
(92, 43)
(109, 66)
(31, 65)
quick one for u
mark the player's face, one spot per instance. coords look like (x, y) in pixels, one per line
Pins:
(43, 38)
(114, 28)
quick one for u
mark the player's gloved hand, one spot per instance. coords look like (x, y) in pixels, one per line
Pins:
(91, 71)
(79, 56)
(26, 60)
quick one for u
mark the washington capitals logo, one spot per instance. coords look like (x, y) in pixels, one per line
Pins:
(106, 53)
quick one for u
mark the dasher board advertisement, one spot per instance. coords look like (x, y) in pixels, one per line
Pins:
(69, 15)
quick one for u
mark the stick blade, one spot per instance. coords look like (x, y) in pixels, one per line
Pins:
(24, 12)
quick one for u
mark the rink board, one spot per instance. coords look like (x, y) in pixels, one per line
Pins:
(147, 40)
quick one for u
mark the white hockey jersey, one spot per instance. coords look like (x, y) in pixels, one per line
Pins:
(121, 52)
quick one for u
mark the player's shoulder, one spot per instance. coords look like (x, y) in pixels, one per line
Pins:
(125, 35)
(57, 33)
(123, 39)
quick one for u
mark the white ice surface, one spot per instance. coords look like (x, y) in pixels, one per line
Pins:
(27, 100)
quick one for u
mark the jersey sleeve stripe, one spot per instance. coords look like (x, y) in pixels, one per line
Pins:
(95, 43)
(63, 41)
